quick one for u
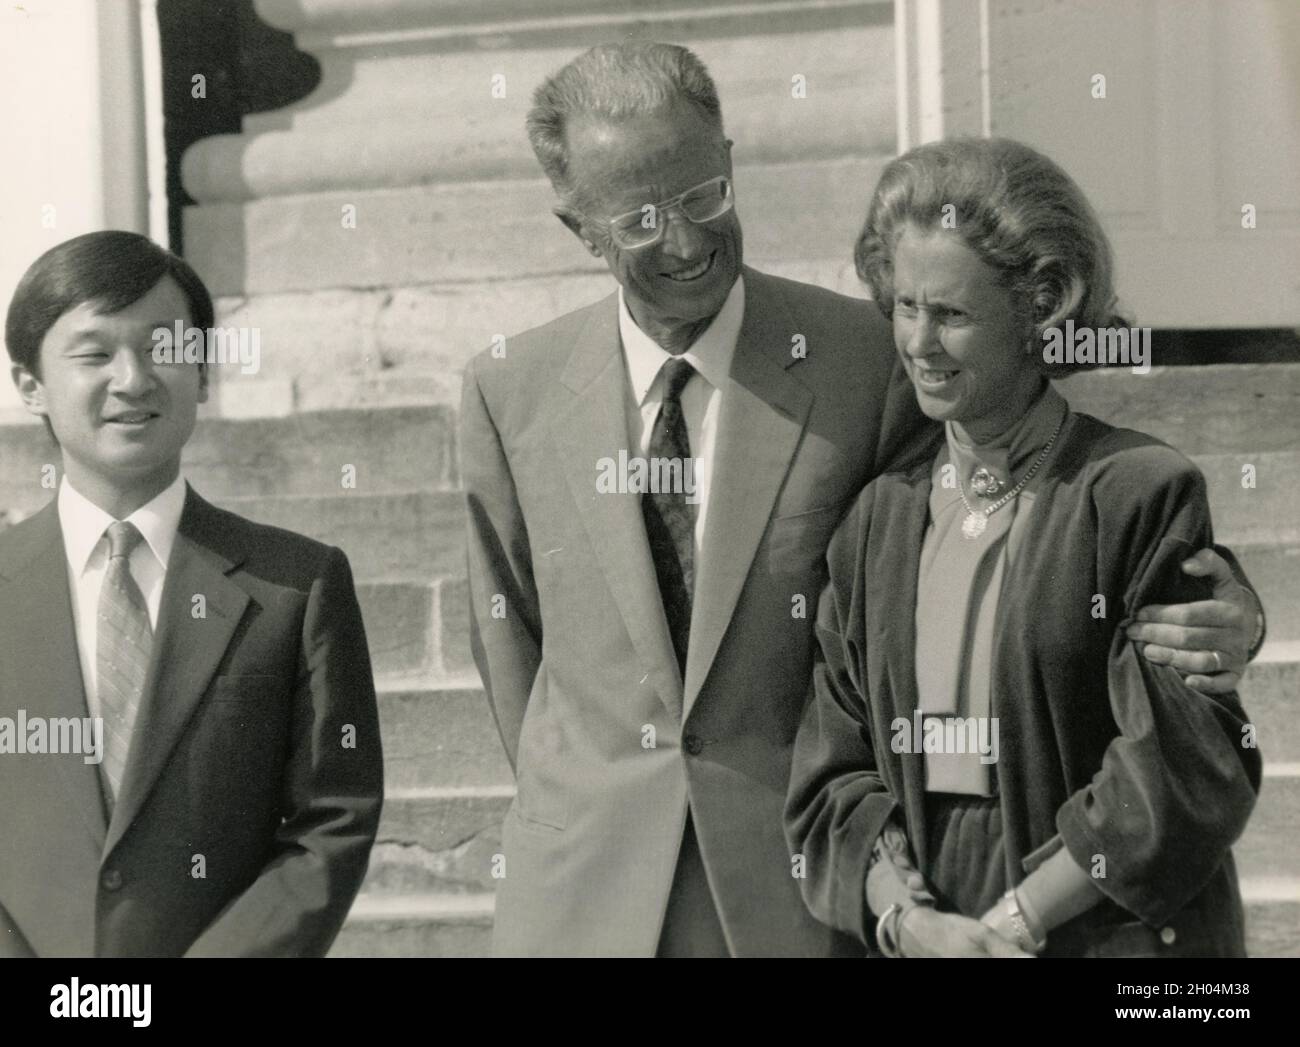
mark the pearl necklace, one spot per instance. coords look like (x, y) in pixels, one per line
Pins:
(978, 519)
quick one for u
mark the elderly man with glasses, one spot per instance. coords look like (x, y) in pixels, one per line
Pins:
(646, 645)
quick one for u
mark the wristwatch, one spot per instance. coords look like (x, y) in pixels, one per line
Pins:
(1020, 926)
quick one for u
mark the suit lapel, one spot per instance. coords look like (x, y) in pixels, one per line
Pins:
(187, 651)
(764, 409)
(898, 559)
(39, 629)
(593, 425)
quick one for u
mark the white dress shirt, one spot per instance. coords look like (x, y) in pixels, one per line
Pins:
(86, 547)
(710, 355)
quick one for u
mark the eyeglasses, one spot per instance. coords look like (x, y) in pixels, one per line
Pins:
(699, 204)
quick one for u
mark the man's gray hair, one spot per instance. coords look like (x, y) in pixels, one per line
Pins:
(615, 81)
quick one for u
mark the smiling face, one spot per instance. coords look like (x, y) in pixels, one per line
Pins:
(673, 288)
(961, 335)
(120, 418)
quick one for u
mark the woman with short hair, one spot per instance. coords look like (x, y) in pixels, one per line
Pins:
(979, 601)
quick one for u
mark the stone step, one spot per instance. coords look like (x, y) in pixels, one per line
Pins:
(417, 628)
(418, 534)
(440, 734)
(402, 626)
(438, 839)
(413, 627)
(460, 926)
(1267, 512)
(1272, 917)
(1270, 691)
(440, 738)
(422, 530)
(396, 450)
(444, 926)
(1245, 409)
(1253, 418)
(355, 347)
(348, 347)
(423, 533)
(1269, 849)
(1274, 571)
(445, 840)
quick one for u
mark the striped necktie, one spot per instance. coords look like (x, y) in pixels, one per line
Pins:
(122, 658)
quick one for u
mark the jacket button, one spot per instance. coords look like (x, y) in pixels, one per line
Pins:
(692, 744)
(111, 880)
(1168, 935)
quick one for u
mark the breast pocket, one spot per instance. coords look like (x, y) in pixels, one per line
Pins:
(244, 688)
(796, 544)
(245, 722)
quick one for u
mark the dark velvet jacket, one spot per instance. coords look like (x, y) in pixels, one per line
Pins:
(1101, 751)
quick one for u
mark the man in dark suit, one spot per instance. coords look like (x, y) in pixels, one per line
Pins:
(646, 646)
(229, 807)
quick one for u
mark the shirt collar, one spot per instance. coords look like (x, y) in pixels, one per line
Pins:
(84, 523)
(710, 354)
(1008, 456)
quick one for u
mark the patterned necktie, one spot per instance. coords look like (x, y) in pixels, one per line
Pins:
(122, 658)
(669, 517)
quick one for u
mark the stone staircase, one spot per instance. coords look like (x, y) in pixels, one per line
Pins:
(429, 890)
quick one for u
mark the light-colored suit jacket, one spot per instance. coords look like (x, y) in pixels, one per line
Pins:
(609, 743)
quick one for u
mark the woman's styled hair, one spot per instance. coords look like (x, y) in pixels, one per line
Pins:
(615, 81)
(109, 269)
(1017, 210)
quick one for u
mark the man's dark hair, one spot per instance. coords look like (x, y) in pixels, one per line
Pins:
(109, 269)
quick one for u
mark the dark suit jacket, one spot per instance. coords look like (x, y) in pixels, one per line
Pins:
(1100, 750)
(573, 646)
(238, 755)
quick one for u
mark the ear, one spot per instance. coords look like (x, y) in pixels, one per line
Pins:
(29, 389)
(1033, 330)
(1031, 338)
(573, 222)
(203, 384)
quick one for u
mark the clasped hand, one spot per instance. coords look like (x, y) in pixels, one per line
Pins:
(925, 931)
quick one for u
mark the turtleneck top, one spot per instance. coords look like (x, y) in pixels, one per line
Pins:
(959, 588)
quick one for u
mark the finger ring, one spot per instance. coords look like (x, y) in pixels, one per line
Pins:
(1218, 662)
